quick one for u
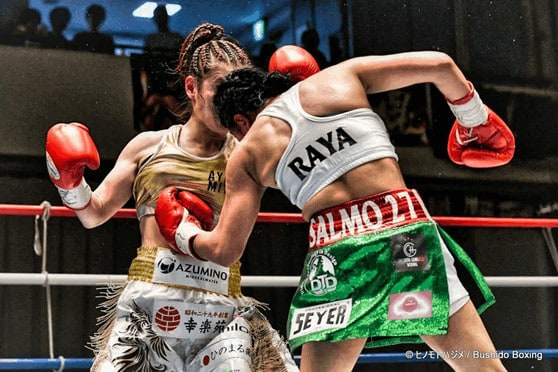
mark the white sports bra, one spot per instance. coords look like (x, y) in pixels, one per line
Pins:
(322, 148)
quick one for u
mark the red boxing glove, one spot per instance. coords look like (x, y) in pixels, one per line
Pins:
(69, 149)
(479, 138)
(181, 215)
(489, 145)
(293, 60)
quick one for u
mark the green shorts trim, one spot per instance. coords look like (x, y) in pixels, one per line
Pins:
(481, 290)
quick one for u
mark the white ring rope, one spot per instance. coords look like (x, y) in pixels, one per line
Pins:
(246, 281)
(62, 363)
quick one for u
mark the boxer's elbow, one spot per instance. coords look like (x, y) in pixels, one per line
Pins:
(443, 65)
(229, 256)
(226, 253)
(89, 222)
(89, 225)
(209, 246)
(95, 214)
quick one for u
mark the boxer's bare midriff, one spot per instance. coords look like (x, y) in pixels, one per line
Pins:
(150, 234)
(367, 179)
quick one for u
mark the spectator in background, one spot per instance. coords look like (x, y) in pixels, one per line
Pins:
(59, 19)
(29, 31)
(263, 58)
(311, 41)
(161, 92)
(93, 40)
(335, 50)
(164, 40)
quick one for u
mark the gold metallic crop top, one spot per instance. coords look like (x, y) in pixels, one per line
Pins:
(171, 165)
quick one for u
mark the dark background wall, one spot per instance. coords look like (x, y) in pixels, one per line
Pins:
(507, 48)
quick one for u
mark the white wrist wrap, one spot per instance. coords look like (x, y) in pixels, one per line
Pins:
(184, 233)
(78, 197)
(472, 113)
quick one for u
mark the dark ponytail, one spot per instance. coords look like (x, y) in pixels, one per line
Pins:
(275, 83)
(245, 90)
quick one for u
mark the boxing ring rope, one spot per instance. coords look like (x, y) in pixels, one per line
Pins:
(255, 281)
(44, 211)
(510, 222)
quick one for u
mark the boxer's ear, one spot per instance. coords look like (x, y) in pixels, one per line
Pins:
(243, 123)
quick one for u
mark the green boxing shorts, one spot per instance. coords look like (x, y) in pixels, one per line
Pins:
(379, 268)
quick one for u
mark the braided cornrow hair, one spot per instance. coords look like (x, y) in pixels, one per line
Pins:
(205, 47)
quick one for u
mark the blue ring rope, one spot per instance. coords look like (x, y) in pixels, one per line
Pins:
(410, 357)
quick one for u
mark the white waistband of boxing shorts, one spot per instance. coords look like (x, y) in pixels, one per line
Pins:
(165, 267)
(365, 216)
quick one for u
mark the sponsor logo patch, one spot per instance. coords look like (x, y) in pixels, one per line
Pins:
(229, 351)
(409, 252)
(320, 274)
(167, 318)
(331, 315)
(410, 305)
(186, 271)
(180, 319)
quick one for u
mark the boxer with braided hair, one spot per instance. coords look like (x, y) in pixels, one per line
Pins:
(204, 46)
(379, 271)
(174, 309)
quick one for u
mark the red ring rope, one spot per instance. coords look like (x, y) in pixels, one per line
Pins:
(58, 211)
